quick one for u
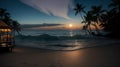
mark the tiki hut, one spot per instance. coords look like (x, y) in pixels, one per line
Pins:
(6, 36)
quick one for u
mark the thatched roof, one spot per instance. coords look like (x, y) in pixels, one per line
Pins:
(3, 25)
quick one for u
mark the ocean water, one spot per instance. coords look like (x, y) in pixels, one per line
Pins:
(60, 39)
(53, 32)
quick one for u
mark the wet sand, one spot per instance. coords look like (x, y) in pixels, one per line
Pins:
(104, 56)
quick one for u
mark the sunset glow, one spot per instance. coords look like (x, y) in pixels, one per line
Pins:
(70, 25)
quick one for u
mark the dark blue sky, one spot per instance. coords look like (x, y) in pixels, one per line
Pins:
(36, 12)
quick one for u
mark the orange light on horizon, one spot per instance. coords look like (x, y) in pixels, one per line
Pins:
(66, 26)
(70, 25)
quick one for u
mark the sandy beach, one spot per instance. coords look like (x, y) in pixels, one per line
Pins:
(59, 33)
(104, 56)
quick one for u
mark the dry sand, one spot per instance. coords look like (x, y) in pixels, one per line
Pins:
(104, 56)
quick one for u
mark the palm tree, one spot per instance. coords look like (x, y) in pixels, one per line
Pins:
(96, 14)
(108, 15)
(88, 18)
(79, 8)
(3, 13)
(110, 20)
(16, 26)
(5, 16)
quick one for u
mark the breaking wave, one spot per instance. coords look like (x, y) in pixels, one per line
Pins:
(46, 41)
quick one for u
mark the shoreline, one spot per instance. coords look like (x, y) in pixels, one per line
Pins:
(67, 44)
(97, 46)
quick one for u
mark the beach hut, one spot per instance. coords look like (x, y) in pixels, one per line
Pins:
(6, 37)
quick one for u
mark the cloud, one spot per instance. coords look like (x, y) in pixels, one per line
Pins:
(59, 8)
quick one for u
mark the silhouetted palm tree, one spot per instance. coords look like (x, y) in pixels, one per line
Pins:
(106, 17)
(88, 18)
(110, 20)
(5, 16)
(96, 14)
(4, 13)
(16, 26)
(79, 8)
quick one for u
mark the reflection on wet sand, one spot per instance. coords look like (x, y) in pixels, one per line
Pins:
(90, 57)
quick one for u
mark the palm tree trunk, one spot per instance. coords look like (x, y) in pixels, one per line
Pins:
(82, 17)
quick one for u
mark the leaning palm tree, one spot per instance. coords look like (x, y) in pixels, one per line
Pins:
(96, 12)
(5, 16)
(79, 8)
(88, 18)
(16, 26)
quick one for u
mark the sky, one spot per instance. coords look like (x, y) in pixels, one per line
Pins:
(47, 11)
